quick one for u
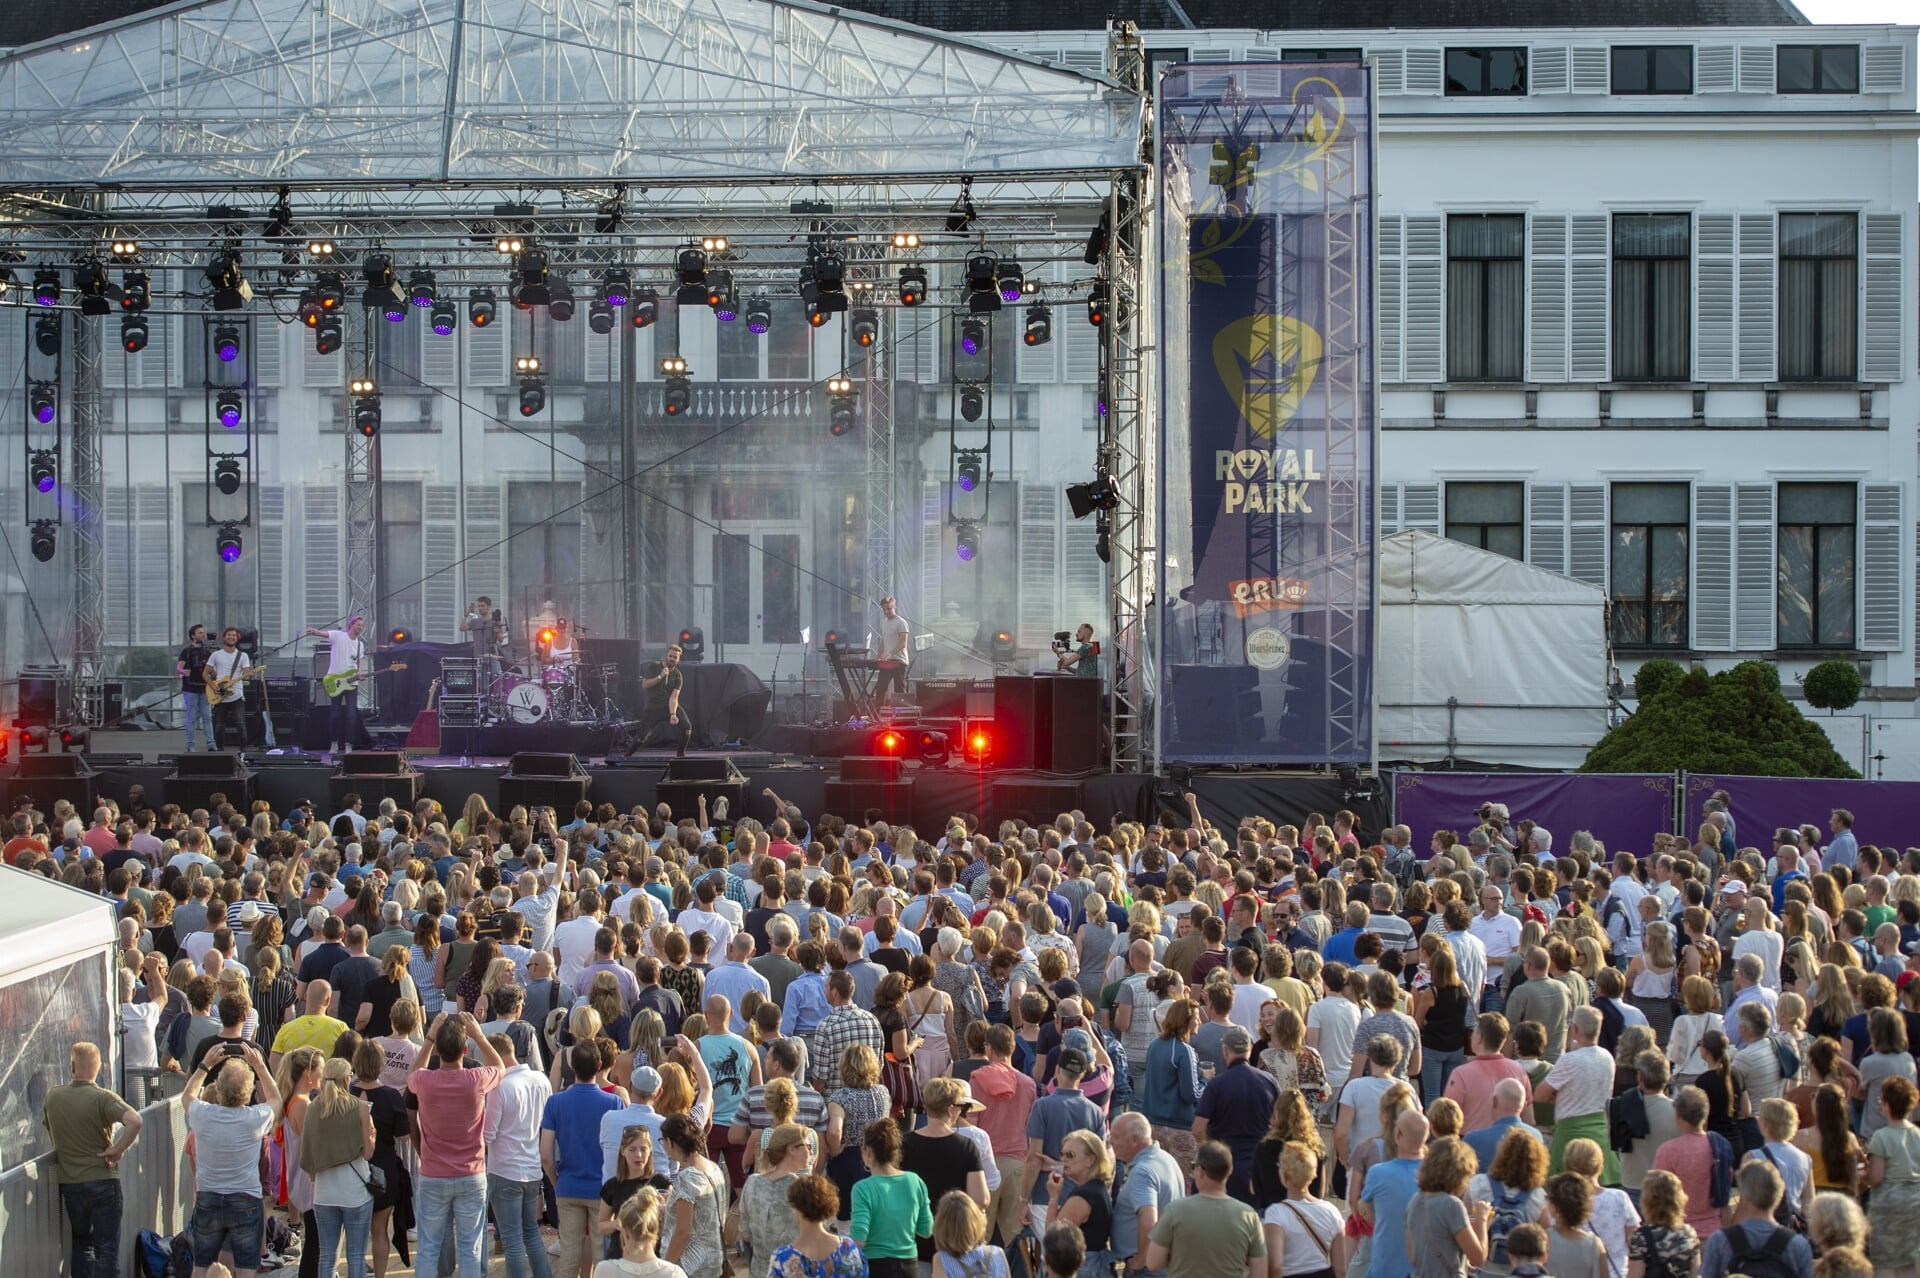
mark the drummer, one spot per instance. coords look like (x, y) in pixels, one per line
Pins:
(559, 650)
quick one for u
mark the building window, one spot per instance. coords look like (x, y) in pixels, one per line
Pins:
(1322, 55)
(1819, 322)
(401, 558)
(1815, 605)
(1486, 297)
(1817, 68)
(1652, 291)
(1649, 565)
(543, 547)
(1660, 68)
(1488, 516)
(1486, 73)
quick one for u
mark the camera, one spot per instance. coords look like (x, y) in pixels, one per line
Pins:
(1062, 642)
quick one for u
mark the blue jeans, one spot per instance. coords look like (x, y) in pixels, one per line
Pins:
(93, 1209)
(1492, 1000)
(1435, 1069)
(357, 1223)
(516, 1214)
(452, 1216)
(345, 720)
(231, 1223)
(199, 715)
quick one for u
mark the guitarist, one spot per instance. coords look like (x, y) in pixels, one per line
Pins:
(230, 716)
(345, 654)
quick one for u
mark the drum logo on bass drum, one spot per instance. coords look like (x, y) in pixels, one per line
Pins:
(1268, 649)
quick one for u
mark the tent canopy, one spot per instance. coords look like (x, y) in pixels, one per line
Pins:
(48, 924)
(503, 92)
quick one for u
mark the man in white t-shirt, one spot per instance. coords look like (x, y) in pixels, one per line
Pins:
(892, 652)
(230, 716)
(345, 654)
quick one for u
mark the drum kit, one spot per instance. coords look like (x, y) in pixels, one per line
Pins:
(569, 693)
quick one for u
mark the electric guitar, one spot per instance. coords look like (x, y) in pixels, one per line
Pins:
(350, 680)
(221, 691)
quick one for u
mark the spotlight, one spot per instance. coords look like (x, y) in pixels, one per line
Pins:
(932, 747)
(970, 471)
(6, 281)
(1097, 239)
(226, 343)
(978, 745)
(842, 404)
(972, 403)
(330, 290)
(1097, 304)
(679, 394)
(759, 314)
(75, 739)
(1012, 280)
(228, 543)
(327, 335)
(866, 325)
(133, 333)
(399, 635)
(721, 295)
(510, 245)
(1103, 543)
(966, 541)
(1084, 499)
(673, 365)
(534, 288)
(229, 408)
(420, 288)
(1000, 646)
(381, 294)
(600, 316)
(226, 476)
(906, 240)
(616, 285)
(646, 307)
(1039, 324)
(98, 292)
(961, 215)
(43, 400)
(480, 307)
(445, 317)
(973, 335)
(560, 303)
(913, 285)
(714, 243)
(890, 742)
(45, 539)
(830, 271)
(322, 249)
(693, 644)
(366, 406)
(136, 294)
(126, 248)
(533, 395)
(983, 272)
(43, 469)
(526, 365)
(693, 268)
(46, 287)
(46, 334)
(230, 289)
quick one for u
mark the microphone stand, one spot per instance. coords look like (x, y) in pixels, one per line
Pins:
(777, 652)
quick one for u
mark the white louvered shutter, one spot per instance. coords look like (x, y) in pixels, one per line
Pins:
(1426, 298)
(1083, 578)
(932, 520)
(1547, 69)
(1039, 563)
(1882, 349)
(1880, 575)
(1587, 322)
(1713, 298)
(1755, 347)
(270, 562)
(1547, 527)
(486, 350)
(485, 556)
(269, 351)
(440, 361)
(602, 353)
(1587, 533)
(1883, 68)
(440, 599)
(1389, 520)
(320, 556)
(1547, 300)
(1392, 298)
(1755, 540)
(120, 536)
(1713, 69)
(1756, 68)
(1424, 75)
(1420, 507)
(1079, 343)
(1711, 605)
(1592, 68)
(1389, 71)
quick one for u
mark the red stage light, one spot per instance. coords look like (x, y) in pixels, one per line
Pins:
(979, 744)
(546, 636)
(891, 742)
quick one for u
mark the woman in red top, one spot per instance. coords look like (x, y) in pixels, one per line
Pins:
(1689, 1156)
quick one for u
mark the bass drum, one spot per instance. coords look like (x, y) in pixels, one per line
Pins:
(527, 703)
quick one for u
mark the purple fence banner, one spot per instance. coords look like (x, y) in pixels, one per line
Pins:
(1623, 811)
(1885, 813)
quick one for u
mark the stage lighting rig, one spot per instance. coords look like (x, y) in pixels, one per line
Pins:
(98, 293)
(906, 240)
(1011, 279)
(45, 539)
(231, 291)
(226, 475)
(43, 470)
(46, 287)
(692, 270)
(228, 543)
(971, 469)
(533, 387)
(43, 401)
(600, 315)
(136, 292)
(1039, 325)
(973, 335)
(842, 404)
(481, 306)
(616, 286)
(913, 285)
(973, 402)
(1085, 499)
(330, 290)
(6, 280)
(123, 249)
(714, 244)
(229, 407)
(421, 288)
(966, 540)
(509, 245)
(46, 334)
(366, 406)
(829, 270)
(678, 395)
(983, 272)
(722, 297)
(865, 325)
(560, 303)
(444, 317)
(328, 333)
(321, 250)
(1097, 239)
(226, 343)
(961, 215)
(533, 265)
(1097, 304)
(759, 314)
(382, 293)
(646, 307)
(133, 333)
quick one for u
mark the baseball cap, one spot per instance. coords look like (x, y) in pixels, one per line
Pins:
(1733, 887)
(1079, 1040)
(646, 1080)
(1237, 1040)
(1073, 1061)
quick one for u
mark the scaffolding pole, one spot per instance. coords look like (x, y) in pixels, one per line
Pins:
(363, 497)
(876, 403)
(87, 488)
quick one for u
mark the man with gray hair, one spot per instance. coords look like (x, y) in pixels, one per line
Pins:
(1151, 1182)
(1759, 939)
(778, 964)
(1578, 1087)
(1753, 1235)
(1748, 987)
(1237, 1108)
(1509, 1099)
(393, 930)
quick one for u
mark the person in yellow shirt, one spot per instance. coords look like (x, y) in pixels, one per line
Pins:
(315, 1029)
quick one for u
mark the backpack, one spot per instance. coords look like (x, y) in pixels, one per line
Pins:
(1509, 1213)
(1787, 1214)
(153, 1253)
(1787, 1056)
(1768, 1260)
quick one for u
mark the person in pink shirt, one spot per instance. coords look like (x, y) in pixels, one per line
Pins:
(1008, 1097)
(1690, 1156)
(100, 836)
(1471, 1086)
(451, 1190)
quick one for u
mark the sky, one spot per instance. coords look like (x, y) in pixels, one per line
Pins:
(1901, 11)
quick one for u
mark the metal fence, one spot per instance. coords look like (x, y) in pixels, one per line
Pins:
(156, 1180)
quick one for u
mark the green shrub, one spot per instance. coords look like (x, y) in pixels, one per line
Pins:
(1736, 722)
(1832, 685)
(1655, 677)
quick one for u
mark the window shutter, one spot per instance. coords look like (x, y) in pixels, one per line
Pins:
(1392, 298)
(320, 549)
(1755, 347)
(1420, 507)
(1547, 287)
(1039, 563)
(271, 562)
(485, 550)
(1587, 533)
(932, 521)
(1592, 68)
(269, 345)
(1713, 69)
(1083, 578)
(1389, 509)
(1713, 319)
(602, 354)
(1426, 292)
(440, 586)
(1423, 73)
(160, 362)
(317, 371)
(1079, 343)
(122, 536)
(1547, 527)
(1880, 568)
(1756, 68)
(440, 359)
(1547, 69)
(1389, 71)
(1588, 324)
(1882, 349)
(1883, 68)
(487, 351)
(1711, 604)
(1755, 541)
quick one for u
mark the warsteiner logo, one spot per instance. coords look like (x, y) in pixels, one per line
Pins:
(1266, 594)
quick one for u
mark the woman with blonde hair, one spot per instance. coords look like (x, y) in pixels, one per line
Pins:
(767, 1219)
(639, 1225)
(782, 1101)
(604, 997)
(1614, 1217)
(859, 1100)
(1291, 1062)
(1830, 1002)
(1650, 982)
(1664, 1237)
(1445, 1118)
(294, 1080)
(335, 1146)
(582, 1026)
(1446, 1233)
(1292, 1124)
(1085, 1160)
(1689, 1031)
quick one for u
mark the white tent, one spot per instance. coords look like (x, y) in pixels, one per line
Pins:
(1486, 659)
(54, 992)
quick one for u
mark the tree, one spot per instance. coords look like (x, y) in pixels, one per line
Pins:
(1736, 722)
(1832, 685)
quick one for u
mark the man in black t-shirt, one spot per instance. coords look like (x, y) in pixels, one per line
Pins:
(662, 682)
(193, 684)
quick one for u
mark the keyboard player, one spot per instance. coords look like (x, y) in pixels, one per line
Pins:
(892, 655)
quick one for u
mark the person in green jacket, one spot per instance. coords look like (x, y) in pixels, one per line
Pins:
(890, 1207)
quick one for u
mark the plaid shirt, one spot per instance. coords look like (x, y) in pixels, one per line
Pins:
(838, 1030)
(733, 887)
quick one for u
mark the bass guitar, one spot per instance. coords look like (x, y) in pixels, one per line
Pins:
(221, 691)
(350, 680)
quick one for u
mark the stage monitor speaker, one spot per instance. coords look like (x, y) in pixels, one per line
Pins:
(558, 793)
(372, 763)
(700, 770)
(1073, 741)
(49, 766)
(402, 787)
(528, 764)
(851, 799)
(871, 768)
(209, 763)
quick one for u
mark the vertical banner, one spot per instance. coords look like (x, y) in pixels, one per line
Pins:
(1267, 442)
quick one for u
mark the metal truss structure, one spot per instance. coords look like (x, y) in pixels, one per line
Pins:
(86, 480)
(882, 486)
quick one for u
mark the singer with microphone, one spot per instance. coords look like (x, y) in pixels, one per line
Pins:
(480, 623)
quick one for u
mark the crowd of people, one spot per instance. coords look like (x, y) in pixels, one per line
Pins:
(643, 1045)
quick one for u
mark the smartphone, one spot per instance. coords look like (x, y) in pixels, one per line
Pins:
(233, 1047)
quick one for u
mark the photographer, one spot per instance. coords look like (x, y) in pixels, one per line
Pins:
(1079, 654)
